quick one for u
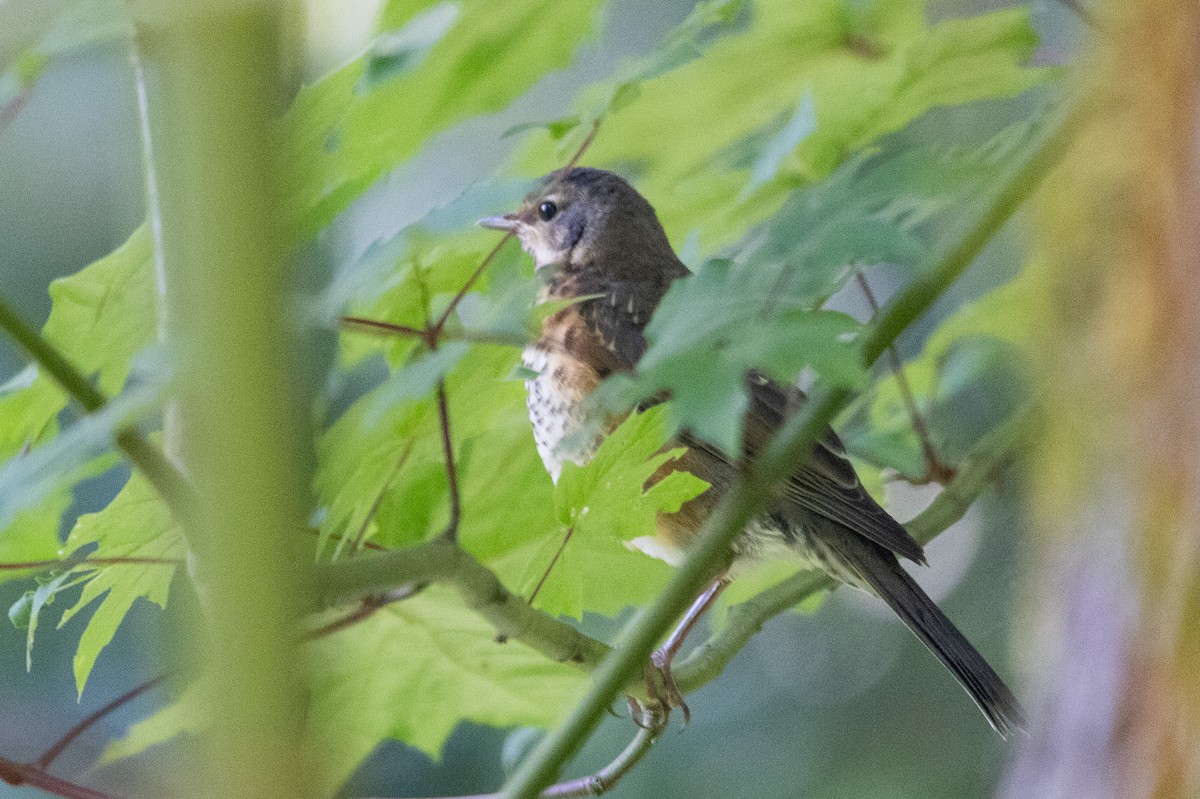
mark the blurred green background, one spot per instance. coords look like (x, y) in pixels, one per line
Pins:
(841, 703)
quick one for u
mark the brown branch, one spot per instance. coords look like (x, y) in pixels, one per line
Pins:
(49, 756)
(451, 531)
(470, 336)
(366, 609)
(28, 774)
(583, 147)
(388, 328)
(936, 470)
(553, 561)
(362, 530)
(13, 107)
(436, 330)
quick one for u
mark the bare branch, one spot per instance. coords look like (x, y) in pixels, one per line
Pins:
(935, 469)
(451, 531)
(26, 774)
(366, 609)
(366, 522)
(553, 561)
(51, 754)
(583, 148)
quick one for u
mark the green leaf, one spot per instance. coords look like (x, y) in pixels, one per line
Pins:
(32, 535)
(801, 125)
(106, 313)
(84, 450)
(456, 60)
(414, 670)
(83, 23)
(602, 507)
(187, 713)
(871, 69)
(136, 524)
(967, 380)
(714, 327)
(101, 316)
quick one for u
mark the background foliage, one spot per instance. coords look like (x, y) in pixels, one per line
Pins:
(785, 146)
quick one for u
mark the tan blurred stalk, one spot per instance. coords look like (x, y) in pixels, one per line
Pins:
(215, 72)
(1115, 662)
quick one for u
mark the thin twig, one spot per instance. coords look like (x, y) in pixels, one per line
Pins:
(26, 774)
(466, 287)
(935, 470)
(550, 567)
(441, 322)
(68, 562)
(1084, 13)
(605, 779)
(583, 147)
(366, 522)
(66, 740)
(373, 325)
(359, 324)
(366, 609)
(451, 531)
(13, 107)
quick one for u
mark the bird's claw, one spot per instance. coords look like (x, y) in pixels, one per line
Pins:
(662, 688)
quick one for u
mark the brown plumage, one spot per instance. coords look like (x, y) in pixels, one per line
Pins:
(591, 233)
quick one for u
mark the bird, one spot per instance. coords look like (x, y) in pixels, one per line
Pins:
(597, 243)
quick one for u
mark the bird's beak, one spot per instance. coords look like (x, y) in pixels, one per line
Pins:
(507, 223)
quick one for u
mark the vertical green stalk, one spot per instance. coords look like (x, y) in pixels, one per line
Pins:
(215, 95)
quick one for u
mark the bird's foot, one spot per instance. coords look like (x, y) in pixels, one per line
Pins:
(651, 717)
(661, 686)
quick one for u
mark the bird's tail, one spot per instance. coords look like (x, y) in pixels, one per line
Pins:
(894, 585)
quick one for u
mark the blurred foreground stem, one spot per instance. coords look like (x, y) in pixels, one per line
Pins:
(215, 106)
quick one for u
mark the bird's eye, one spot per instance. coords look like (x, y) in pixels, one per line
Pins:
(547, 210)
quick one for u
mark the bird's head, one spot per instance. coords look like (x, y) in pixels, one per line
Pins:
(587, 218)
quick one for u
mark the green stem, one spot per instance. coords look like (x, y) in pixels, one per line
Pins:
(244, 409)
(170, 483)
(440, 560)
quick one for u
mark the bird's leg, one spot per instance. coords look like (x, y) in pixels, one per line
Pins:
(663, 656)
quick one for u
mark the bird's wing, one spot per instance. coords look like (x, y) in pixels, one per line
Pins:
(827, 484)
(618, 320)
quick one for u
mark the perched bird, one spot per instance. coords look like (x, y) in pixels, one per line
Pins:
(593, 235)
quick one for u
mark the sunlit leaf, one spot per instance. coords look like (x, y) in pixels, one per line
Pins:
(455, 60)
(415, 670)
(136, 524)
